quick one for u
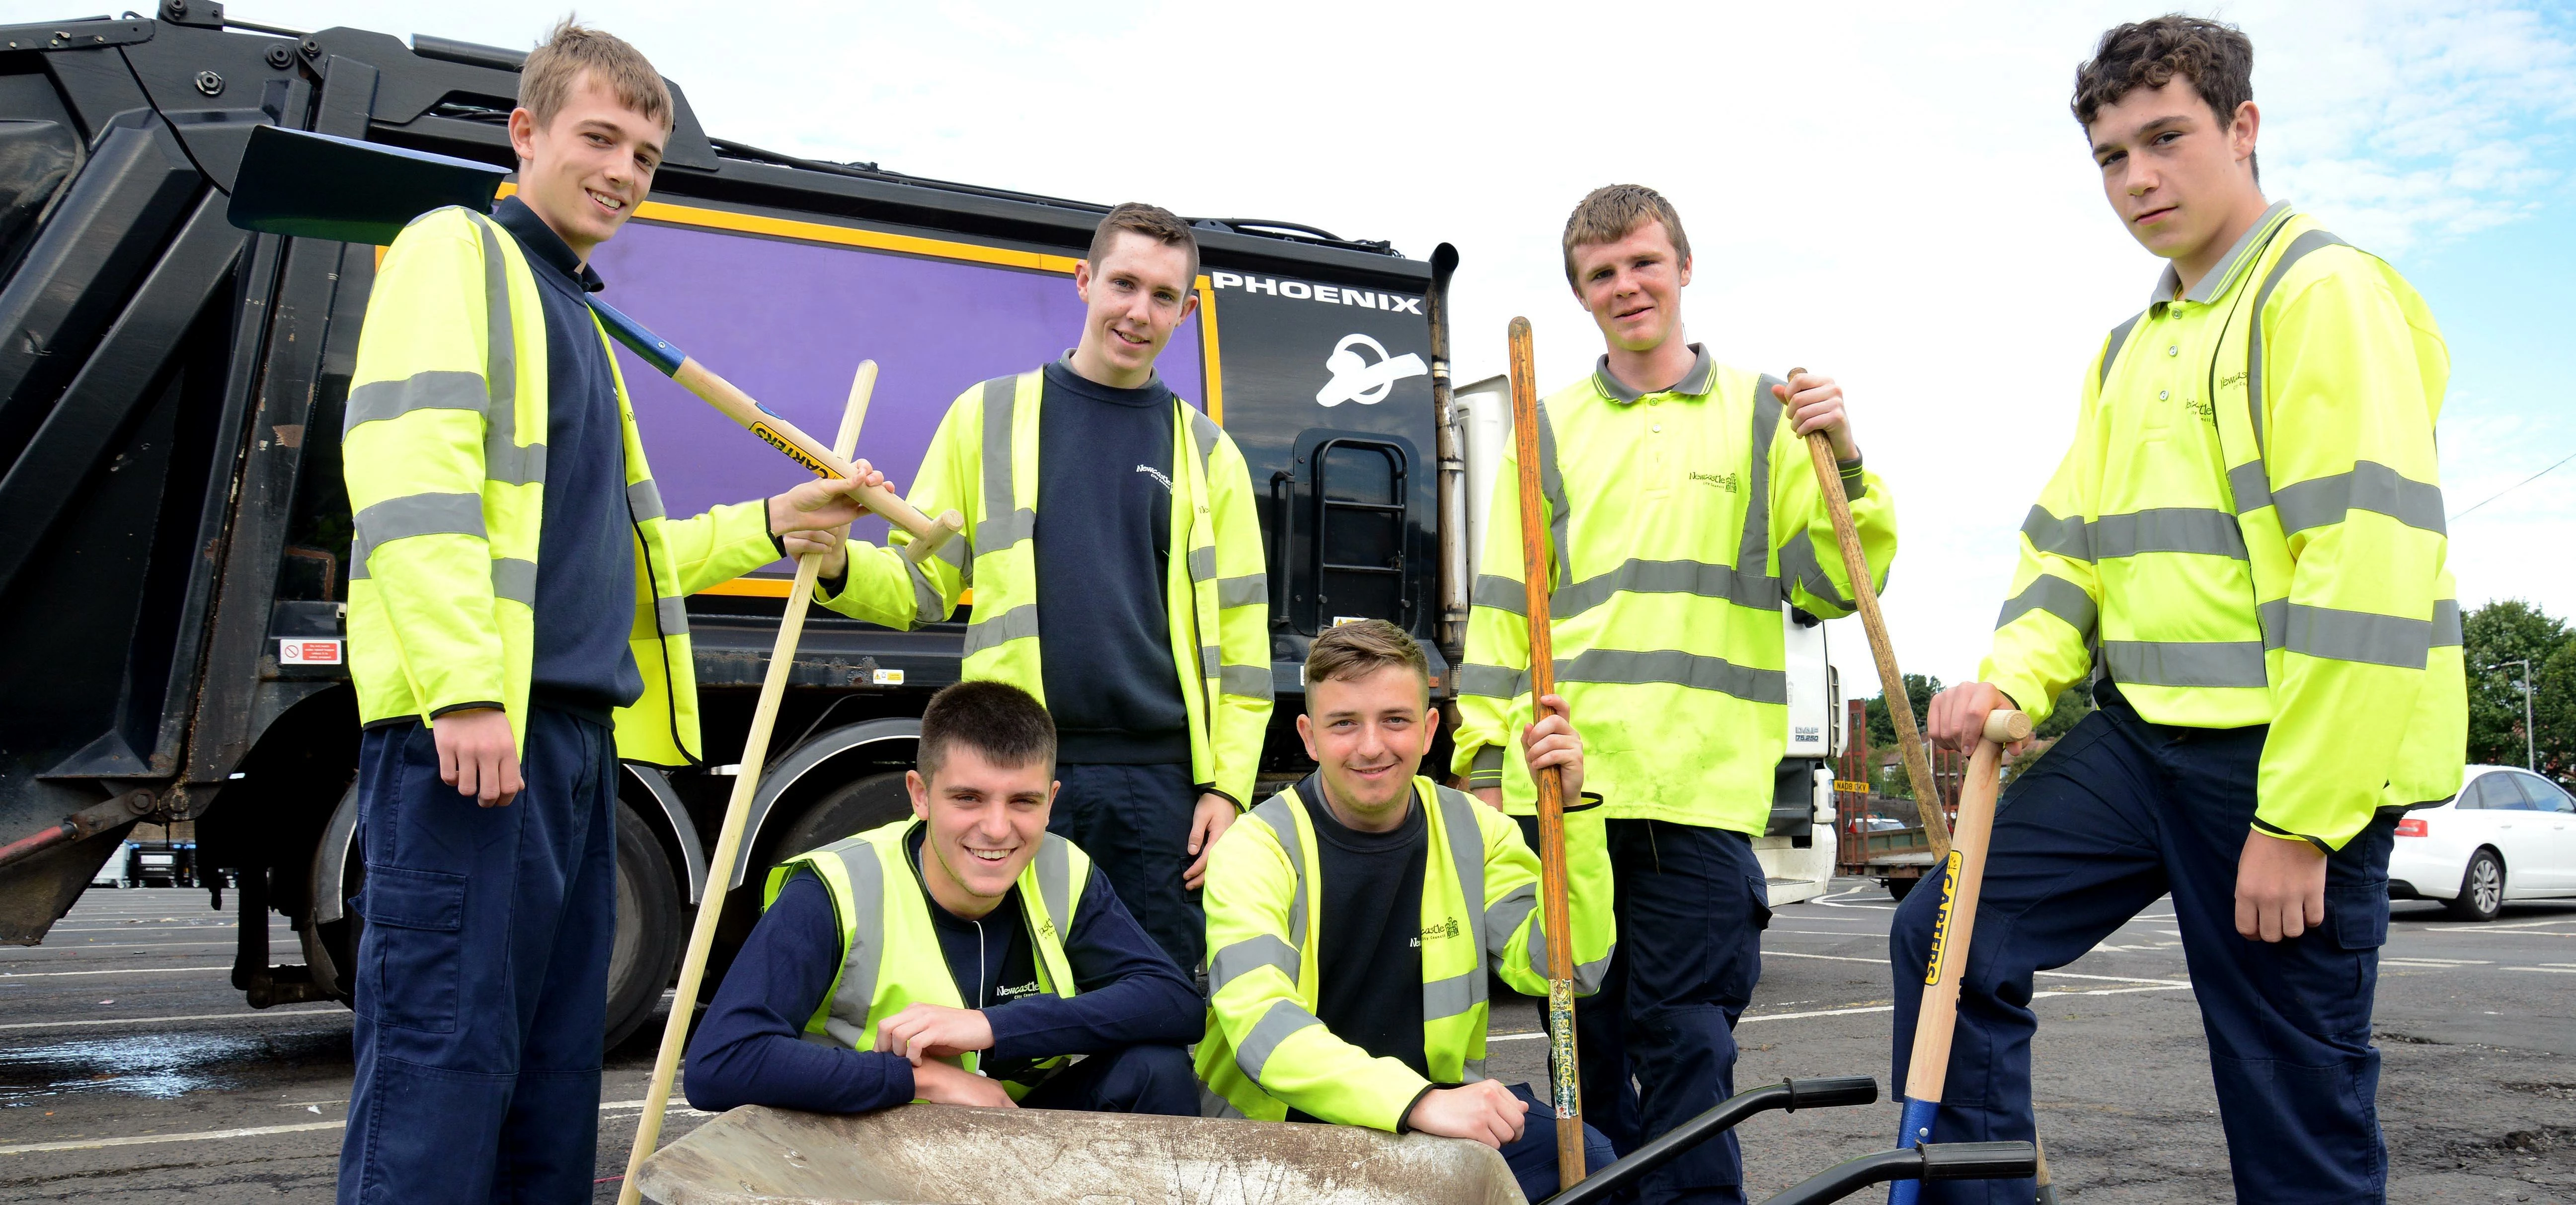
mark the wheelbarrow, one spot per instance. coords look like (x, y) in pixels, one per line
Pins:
(953, 1155)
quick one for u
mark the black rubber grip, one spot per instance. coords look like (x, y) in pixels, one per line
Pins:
(1832, 1092)
(1979, 1160)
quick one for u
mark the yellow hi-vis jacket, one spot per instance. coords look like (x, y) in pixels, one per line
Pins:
(1678, 522)
(2249, 530)
(1266, 1051)
(983, 462)
(444, 452)
(890, 956)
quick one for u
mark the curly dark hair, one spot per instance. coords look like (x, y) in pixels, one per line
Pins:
(2217, 58)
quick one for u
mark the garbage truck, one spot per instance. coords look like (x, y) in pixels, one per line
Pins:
(174, 569)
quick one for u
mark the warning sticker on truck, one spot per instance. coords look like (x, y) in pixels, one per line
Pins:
(297, 650)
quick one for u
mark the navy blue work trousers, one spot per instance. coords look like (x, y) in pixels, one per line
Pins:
(1657, 1043)
(1159, 1080)
(2118, 814)
(482, 977)
(1532, 1156)
(1134, 821)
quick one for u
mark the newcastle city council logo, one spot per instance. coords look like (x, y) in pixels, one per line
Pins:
(1356, 378)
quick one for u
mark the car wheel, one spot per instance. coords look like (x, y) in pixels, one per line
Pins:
(2481, 888)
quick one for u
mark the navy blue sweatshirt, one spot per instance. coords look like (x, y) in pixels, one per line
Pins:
(586, 541)
(1103, 541)
(750, 1048)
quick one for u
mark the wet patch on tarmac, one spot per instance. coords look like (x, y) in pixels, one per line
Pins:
(163, 1066)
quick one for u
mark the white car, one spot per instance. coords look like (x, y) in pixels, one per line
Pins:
(2509, 835)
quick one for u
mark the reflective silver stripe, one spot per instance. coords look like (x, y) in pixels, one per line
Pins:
(2275, 618)
(1673, 667)
(2058, 597)
(2299, 249)
(1453, 995)
(1002, 524)
(1798, 564)
(859, 963)
(2370, 486)
(1587, 975)
(1202, 564)
(2168, 529)
(1474, 1071)
(514, 579)
(2185, 663)
(1055, 882)
(416, 515)
(2337, 635)
(644, 501)
(1282, 1022)
(1502, 594)
(1274, 812)
(1242, 591)
(1249, 955)
(987, 631)
(1551, 486)
(377, 401)
(1001, 529)
(1753, 551)
(671, 616)
(1211, 661)
(1246, 681)
(1491, 681)
(2446, 623)
(2111, 350)
(1747, 589)
(504, 459)
(1506, 918)
(1487, 768)
(1205, 435)
(927, 604)
(2251, 485)
(2066, 537)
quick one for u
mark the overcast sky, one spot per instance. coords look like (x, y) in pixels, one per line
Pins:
(1891, 193)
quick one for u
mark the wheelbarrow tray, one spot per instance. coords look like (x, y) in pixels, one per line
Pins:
(954, 1155)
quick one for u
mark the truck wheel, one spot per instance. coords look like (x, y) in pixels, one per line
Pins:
(2481, 895)
(859, 805)
(646, 950)
(1896, 888)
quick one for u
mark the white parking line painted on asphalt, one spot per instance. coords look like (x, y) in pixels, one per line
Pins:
(2113, 978)
(2550, 970)
(2414, 960)
(257, 1016)
(1821, 1012)
(127, 945)
(2114, 991)
(1820, 957)
(85, 1144)
(123, 971)
(2492, 926)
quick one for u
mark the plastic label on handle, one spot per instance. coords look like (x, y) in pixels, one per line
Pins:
(797, 454)
(1560, 1028)
(1941, 922)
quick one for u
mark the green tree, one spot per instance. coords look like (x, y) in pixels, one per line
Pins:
(2506, 630)
(2553, 713)
(2073, 704)
(1882, 725)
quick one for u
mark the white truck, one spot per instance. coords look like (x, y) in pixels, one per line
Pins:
(1797, 846)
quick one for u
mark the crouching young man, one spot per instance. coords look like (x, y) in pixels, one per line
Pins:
(1352, 924)
(961, 956)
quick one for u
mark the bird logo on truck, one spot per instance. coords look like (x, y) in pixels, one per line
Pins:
(1359, 379)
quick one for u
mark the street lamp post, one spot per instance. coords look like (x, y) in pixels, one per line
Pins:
(2530, 745)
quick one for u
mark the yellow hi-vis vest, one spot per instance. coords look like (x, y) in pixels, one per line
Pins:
(444, 453)
(2249, 530)
(983, 462)
(890, 955)
(1266, 1051)
(1678, 523)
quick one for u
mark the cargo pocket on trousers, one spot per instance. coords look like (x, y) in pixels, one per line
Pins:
(415, 934)
(2357, 917)
(1758, 905)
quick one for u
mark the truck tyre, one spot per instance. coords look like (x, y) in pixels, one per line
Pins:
(855, 807)
(646, 950)
(2481, 895)
(1896, 888)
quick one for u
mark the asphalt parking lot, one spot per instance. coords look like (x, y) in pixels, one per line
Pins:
(130, 1070)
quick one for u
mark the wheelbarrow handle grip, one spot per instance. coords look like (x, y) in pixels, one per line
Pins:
(1932, 1161)
(1787, 1094)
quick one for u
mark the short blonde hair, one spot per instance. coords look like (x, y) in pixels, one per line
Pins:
(555, 69)
(1613, 212)
(1351, 651)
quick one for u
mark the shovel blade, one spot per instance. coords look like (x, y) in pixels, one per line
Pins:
(306, 185)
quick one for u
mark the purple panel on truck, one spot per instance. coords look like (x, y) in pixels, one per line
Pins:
(789, 321)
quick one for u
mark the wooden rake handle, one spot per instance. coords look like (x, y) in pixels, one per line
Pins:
(746, 785)
(1891, 683)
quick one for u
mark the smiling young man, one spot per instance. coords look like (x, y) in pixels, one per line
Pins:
(1682, 512)
(511, 571)
(1354, 918)
(1111, 525)
(2244, 548)
(962, 956)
